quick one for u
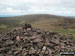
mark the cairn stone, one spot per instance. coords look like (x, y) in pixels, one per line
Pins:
(27, 26)
(34, 42)
(17, 38)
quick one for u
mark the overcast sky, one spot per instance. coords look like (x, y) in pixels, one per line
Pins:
(23, 7)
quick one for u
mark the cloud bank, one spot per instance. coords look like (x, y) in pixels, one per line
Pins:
(22, 7)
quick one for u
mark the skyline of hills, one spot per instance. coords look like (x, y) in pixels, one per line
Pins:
(65, 25)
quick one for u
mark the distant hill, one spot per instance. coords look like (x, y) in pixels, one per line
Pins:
(38, 19)
(65, 25)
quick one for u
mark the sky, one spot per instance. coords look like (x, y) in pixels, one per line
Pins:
(24, 7)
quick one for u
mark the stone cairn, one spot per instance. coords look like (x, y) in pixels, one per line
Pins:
(27, 41)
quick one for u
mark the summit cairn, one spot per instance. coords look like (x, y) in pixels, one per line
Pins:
(27, 26)
(28, 41)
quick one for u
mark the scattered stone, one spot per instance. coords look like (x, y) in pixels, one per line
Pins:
(26, 41)
(28, 29)
(44, 48)
(1, 55)
(47, 42)
(17, 38)
(37, 40)
(32, 50)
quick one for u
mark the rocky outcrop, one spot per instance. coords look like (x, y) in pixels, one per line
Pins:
(28, 41)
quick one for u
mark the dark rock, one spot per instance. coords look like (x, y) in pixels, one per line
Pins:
(9, 43)
(27, 25)
(4, 50)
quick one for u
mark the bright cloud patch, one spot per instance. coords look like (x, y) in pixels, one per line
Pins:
(10, 10)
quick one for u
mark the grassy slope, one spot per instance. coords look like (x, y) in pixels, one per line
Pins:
(47, 22)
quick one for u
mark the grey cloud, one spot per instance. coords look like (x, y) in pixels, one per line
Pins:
(39, 6)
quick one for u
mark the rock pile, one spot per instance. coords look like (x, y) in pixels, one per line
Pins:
(28, 41)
